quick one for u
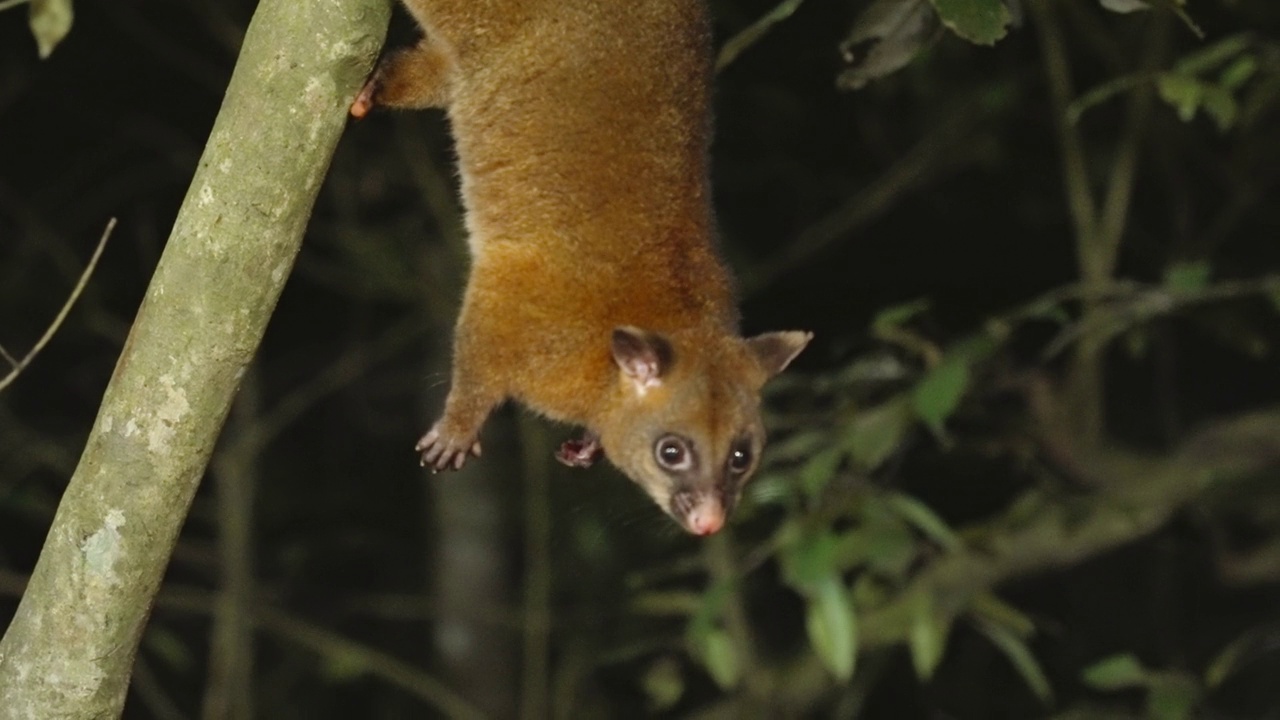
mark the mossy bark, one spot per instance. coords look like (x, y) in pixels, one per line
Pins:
(69, 650)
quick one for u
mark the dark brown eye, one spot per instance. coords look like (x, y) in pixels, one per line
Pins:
(673, 453)
(740, 457)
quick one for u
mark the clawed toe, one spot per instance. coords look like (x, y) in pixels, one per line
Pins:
(441, 452)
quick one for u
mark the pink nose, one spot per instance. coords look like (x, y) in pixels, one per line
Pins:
(705, 518)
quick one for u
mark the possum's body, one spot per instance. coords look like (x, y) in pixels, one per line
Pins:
(596, 296)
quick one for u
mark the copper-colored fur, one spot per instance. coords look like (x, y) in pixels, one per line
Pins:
(582, 129)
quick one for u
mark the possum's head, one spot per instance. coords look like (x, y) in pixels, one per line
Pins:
(687, 425)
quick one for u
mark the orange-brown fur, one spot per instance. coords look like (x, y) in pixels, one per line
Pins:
(582, 129)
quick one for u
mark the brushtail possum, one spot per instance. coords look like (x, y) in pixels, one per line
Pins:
(596, 296)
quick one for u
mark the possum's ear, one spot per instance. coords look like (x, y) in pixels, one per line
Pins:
(643, 357)
(774, 351)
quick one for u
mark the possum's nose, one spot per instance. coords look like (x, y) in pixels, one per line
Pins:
(700, 514)
(706, 520)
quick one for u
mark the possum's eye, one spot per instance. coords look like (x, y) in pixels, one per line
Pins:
(740, 457)
(672, 453)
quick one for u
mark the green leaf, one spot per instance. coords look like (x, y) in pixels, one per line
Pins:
(891, 550)
(1182, 92)
(1238, 72)
(768, 489)
(887, 36)
(1116, 672)
(1050, 310)
(50, 21)
(720, 658)
(852, 550)
(1220, 107)
(343, 666)
(870, 591)
(815, 474)
(1173, 697)
(810, 562)
(979, 21)
(927, 636)
(667, 602)
(707, 618)
(1100, 94)
(972, 349)
(1187, 277)
(898, 315)
(925, 520)
(833, 628)
(709, 642)
(1125, 6)
(992, 609)
(1244, 649)
(1020, 656)
(798, 445)
(877, 432)
(663, 683)
(1212, 56)
(890, 543)
(938, 394)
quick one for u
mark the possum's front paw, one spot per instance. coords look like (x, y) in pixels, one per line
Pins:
(444, 451)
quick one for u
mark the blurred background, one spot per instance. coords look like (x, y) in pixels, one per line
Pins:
(1027, 468)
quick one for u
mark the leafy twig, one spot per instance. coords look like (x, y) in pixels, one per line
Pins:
(753, 32)
(1122, 304)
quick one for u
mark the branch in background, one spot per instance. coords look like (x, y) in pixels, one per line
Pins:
(1098, 230)
(534, 691)
(326, 643)
(449, 259)
(228, 686)
(151, 692)
(1120, 305)
(1041, 533)
(339, 374)
(1086, 371)
(941, 151)
(387, 667)
(1075, 175)
(20, 365)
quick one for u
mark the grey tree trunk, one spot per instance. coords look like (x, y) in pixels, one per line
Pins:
(70, 648)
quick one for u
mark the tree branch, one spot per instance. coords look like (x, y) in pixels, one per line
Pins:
(70, 648)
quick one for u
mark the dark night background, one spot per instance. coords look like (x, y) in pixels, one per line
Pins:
(943, 181)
